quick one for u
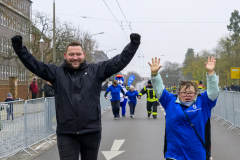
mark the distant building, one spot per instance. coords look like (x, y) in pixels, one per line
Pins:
(15, 16)
(99, 56)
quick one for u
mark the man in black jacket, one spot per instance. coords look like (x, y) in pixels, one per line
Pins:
(77, 87)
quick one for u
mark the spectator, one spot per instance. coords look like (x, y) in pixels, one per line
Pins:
(34, 88)
(105, 86)
(228, 88)
(225, 88)
(1, 108)
(236, 88)
(48, 90)
(10, 108)
(232, 87)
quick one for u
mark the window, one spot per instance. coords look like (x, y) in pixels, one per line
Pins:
(1, 17)
(4, 45)
(1, 44)
(4, 19)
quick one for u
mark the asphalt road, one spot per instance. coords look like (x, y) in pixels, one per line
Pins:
(142, 138)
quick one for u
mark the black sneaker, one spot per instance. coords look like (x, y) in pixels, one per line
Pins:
(123, 115)
(154, 116)
(149, 114)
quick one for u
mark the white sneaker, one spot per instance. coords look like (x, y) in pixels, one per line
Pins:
(132, 116)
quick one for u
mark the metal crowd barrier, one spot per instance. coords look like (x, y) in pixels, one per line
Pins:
(12, 127)
(104, 103)
(24, 124)
(228, 109)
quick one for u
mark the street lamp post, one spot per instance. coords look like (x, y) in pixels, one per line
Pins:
(42, 41)
(54, 38)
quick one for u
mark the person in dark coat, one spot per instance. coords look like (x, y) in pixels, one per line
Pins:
(77, 86)
(232, 87)
(105, 86)
(10, 108)
(236, 88)
(48, 90)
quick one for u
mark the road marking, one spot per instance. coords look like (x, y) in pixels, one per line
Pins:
(117, 144)
(114, 150)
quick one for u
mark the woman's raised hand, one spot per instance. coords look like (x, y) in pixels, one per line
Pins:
(210, 65)
(155, 66)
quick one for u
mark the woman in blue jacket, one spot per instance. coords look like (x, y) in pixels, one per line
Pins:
(115, 90)
(187, 115)
(132, 96)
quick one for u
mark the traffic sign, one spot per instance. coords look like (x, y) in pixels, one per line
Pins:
(235, 72)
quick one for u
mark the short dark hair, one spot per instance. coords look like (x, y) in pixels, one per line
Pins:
(73, 43)
(188, 84)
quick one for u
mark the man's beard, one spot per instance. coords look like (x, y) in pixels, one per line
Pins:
(69, 63)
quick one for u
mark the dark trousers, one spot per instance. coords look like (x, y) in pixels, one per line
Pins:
(132, 108)
(152, 107)
(115, 107)
(34, 95)
(87, 145)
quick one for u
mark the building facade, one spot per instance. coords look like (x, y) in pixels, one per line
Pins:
(15, 17)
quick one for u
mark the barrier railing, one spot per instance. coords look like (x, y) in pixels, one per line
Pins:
(12, 127)
(24, 124)
(228, 109)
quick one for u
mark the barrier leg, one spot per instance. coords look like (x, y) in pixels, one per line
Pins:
(26, 152)
(33, 150)
(224, 122)
(231, 126)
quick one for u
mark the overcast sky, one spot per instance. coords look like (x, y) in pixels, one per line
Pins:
(167, 27)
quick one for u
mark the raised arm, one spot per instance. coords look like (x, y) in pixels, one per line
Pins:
(119, 62)
(156, 79)
(45, 71)
(212, 85)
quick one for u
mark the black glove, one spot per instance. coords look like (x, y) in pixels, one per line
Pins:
(135, 38)
(17, 40)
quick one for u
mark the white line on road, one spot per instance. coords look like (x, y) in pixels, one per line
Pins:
(114, 150)
(117, 144)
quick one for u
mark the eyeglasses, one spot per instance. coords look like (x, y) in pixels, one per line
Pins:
(189, 93)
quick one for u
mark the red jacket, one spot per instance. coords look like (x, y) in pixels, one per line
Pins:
(34, 87)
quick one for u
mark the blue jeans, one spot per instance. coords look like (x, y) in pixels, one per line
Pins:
(10, 112)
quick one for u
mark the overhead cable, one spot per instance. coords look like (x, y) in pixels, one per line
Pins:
(124, 15)
(116, 19)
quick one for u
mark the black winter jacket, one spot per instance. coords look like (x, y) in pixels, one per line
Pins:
(77, 92)
(48, 90)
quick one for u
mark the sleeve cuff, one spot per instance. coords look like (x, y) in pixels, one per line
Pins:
(211, 78)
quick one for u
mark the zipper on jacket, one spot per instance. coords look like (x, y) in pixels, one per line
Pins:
(76, 97)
